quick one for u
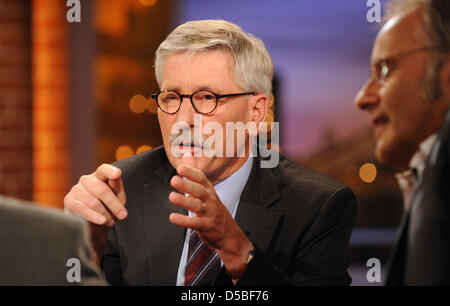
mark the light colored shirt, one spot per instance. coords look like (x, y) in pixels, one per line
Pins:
(229, 191)
(408, 180)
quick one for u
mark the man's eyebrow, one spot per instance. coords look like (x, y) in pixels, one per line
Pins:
(177, 89)
(207, 88)
(172, 88)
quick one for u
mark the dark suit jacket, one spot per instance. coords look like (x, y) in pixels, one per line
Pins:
(36, 244)
(422, 252)
(299, 221)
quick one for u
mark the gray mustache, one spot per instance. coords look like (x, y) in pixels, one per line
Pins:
(185, 139)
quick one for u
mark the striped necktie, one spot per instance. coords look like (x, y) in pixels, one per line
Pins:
(203, 264)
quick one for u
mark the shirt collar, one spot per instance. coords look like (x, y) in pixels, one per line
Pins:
(408, 180)
(418, 160)
(230, 189)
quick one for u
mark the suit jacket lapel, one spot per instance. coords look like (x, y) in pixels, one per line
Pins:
(164, 241)
(397, 259)
(253, 216)
(396, 263)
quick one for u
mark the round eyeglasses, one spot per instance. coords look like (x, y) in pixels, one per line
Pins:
(203, 101)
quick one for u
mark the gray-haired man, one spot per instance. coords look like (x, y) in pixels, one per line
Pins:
(196, 219)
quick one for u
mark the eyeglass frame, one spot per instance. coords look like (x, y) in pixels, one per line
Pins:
(385, 69)
(182, 96)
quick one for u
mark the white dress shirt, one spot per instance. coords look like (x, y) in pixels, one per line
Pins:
(408, 180)
(229, 192)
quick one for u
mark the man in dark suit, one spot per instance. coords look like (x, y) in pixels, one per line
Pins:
(195, 218)
(408, 97)
(423, 249)
(42, 246)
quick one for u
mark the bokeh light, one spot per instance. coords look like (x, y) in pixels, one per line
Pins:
(124, 152)
(148, 2)
(143, 149)
(368, 172)
(138, 104)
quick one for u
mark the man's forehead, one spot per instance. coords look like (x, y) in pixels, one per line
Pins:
(212, 55)
(205, 69)
(400, 33)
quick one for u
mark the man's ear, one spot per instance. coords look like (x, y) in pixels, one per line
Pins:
(259, 106)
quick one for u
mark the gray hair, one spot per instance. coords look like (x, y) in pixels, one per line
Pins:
(436, 16)
(253, 67)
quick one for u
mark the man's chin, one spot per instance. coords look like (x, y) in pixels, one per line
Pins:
(384, 152)
(191, 161)
(390, 153)
(378, 150)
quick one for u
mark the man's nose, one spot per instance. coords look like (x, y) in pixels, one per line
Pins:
(367, 97)
(186, 112)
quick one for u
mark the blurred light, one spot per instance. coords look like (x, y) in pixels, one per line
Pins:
(49, 84)
(148, 2)
(143, 149)
(368, 172)
(138, 104)
(111, 17)
(124, 152)
(152, 107)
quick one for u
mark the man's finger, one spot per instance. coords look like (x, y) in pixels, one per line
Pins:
(193, 174)
(187, 186)
(117, 186)
(78, 208)
(92, 202)
(103, 192)
(107, 172)
(194, 222)
(193, 204)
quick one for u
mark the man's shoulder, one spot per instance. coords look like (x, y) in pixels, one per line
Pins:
(13, 211)
(306, 195)
(307, 191)
(38, 242)
(143, 163)
(290, 175)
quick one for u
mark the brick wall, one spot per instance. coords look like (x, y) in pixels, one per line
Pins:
(50, 88)
(15, 99)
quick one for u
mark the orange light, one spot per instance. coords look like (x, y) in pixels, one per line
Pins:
(138, 104)
(368, 172)
(148, 2)
(50, 102)
(124, 152)
(143, 149)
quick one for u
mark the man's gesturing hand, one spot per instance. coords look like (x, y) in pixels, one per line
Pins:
(99, 197)
(212, 220)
